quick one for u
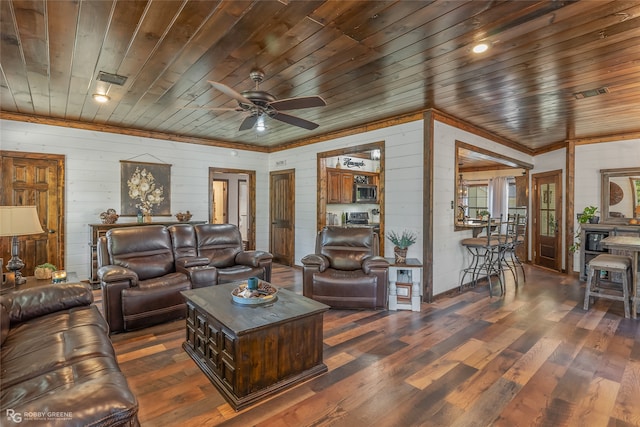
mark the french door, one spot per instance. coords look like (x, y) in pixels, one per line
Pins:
(547, 219)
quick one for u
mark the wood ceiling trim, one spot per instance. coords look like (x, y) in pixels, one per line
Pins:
(466, 126)
(378, 124)
(75, 124)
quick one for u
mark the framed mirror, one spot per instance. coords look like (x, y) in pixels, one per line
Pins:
(620, 195)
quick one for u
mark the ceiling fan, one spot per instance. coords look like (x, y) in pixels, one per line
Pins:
(259, 104)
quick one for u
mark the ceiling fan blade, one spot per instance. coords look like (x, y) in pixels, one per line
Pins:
(213, 108)
(230, 92)
(296, 121)
(299, 102)
(248, 123)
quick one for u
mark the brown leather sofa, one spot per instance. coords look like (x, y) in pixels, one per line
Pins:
(58, 365)
(142, 270)
(346, 271)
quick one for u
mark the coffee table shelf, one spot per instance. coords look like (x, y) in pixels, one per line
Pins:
(252, 352)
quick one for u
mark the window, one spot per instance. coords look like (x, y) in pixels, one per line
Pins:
(478, 198)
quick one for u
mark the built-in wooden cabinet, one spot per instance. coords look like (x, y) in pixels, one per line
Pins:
(340, 184)
(591, 236)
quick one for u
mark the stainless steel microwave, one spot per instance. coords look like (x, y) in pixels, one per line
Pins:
(365, 193)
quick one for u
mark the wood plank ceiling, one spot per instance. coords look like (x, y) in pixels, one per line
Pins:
(369, 60)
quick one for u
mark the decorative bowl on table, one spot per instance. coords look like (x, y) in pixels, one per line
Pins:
(109, 217)
(263, 295)
(184, 217)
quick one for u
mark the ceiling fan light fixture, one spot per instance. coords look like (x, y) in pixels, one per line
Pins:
(480, 47)
(260, 127)
(101, 98)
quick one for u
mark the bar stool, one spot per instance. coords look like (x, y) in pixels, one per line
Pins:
(617, 292)
(485, 259)
(516, 230)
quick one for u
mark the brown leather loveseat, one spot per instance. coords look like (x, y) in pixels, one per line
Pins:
(346, 271)
(142, 270)
(58, 365)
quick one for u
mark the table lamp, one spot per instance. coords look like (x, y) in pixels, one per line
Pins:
(18, 221)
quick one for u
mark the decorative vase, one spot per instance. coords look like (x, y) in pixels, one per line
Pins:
(400, 254)
(147, 217)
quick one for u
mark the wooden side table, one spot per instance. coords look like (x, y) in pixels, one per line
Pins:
(405, 284)
(32, 282)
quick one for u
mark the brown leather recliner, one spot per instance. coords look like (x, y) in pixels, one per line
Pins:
(140, 284)
(346, 271)
(222, 245)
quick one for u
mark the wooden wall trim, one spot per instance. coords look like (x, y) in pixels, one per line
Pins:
(367, 127)
(427, 206)
(466, 126)
(74, 124)
(569, 196)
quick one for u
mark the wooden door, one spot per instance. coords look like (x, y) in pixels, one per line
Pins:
(30, 179)
(547, 219)
(282, 216)
(220, 197)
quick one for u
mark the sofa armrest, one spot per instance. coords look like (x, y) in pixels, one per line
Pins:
(374, 263)
(318, 261)
(253, 258)
(30, 303)
(113, 279)
(200, 276)
(115, 273)
(191, 261)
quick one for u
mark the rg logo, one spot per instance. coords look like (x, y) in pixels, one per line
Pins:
(14, 416)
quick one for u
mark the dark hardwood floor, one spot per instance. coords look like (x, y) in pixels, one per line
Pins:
(532, 357)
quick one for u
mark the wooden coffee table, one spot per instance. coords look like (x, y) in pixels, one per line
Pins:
(252, 352)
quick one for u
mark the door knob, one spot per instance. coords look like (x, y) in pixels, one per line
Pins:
(50, 231)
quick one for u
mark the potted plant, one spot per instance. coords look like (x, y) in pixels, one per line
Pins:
(43, 271)
(401, 244)
(588, 214)
(483, 214)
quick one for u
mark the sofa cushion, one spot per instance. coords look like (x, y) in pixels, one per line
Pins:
(147, 250)
(219, 242)
(346, 249)
(345, 289)
(154, 301)
(36, 347)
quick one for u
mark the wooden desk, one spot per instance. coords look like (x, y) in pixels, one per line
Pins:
(631, 244)
(252, 352)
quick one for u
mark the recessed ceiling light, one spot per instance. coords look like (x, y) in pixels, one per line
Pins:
(480, 47)
(100, 98)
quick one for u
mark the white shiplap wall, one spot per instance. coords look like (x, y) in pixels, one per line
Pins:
(93, 176)
(449, 257)
(590, 159)
(403, 186)
(93, 180)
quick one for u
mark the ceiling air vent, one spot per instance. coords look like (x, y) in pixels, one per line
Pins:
(112, 78)
(591, 92)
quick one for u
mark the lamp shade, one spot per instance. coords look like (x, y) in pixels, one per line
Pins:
(19, 221)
